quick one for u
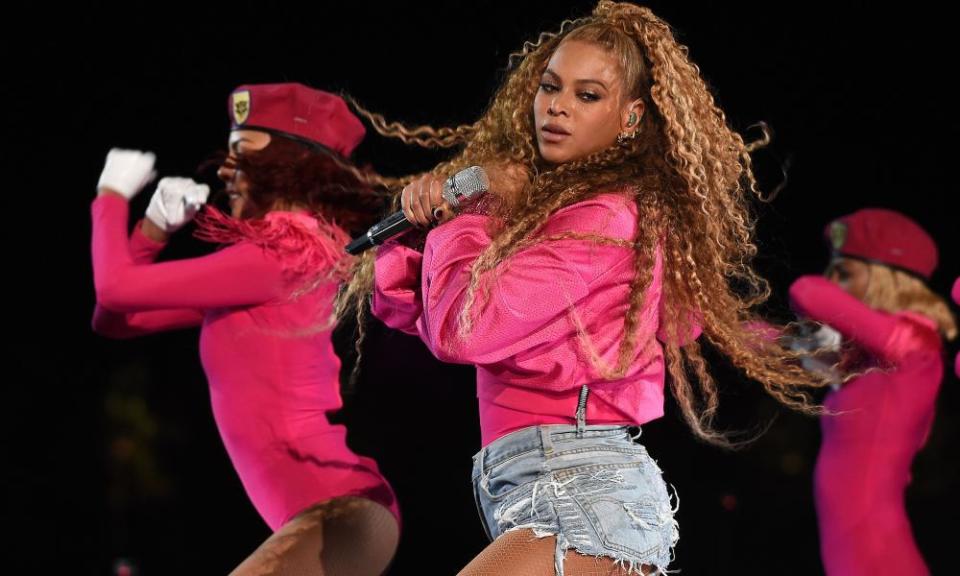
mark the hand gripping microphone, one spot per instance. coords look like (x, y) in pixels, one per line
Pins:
(459, 190)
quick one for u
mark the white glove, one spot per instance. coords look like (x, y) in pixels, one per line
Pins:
(127, 171)
(176, 202)
(820, 349)
(813, 337)
(827, 338)
(823, 368)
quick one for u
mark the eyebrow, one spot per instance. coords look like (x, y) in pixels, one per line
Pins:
(579, 81)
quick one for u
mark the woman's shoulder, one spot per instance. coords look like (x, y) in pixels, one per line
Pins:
(611, 214)
(915, 332)
(302, 243)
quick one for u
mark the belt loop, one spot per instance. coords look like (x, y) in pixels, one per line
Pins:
(545, 442)
(479, 460)
(582, 410)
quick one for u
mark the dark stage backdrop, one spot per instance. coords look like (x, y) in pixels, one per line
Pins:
(109, 448)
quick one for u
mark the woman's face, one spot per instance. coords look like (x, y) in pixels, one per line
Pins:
(581, 107)
(238, 186)
(851, 275)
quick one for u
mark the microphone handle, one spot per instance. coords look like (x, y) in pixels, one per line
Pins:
(386, 228)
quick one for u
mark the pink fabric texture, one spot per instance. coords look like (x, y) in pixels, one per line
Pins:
(263, 303)
(879, 421)
(544, 319)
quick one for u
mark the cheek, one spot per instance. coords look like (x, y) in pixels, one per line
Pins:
(606, 116)
(539, 107)
(600, 126)
(241, 183)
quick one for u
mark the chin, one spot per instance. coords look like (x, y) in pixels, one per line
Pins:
(554, 156)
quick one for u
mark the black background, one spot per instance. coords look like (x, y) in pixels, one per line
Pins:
(109, 448)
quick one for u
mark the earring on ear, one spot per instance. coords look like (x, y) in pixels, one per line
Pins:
(623, 137)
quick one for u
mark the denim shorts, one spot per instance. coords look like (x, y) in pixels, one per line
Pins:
(597, 491)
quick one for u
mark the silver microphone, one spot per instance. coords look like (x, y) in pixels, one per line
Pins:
(459, 190)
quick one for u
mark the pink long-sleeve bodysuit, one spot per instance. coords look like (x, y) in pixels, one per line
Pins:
(882, 420)
(549, 308)
(264, 305)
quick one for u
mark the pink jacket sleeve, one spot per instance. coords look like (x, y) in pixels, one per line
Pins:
(526, 293)
(884, 335)
(396, 296)
(135, 296)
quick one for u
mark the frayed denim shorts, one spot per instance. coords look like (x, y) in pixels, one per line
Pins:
(596, 490)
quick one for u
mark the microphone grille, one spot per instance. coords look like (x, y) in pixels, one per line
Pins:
(465, 186)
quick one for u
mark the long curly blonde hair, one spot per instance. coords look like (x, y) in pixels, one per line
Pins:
(893, 290)
(691, 178)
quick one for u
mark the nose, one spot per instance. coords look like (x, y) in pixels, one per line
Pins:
(227, 171)
(557, 106)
